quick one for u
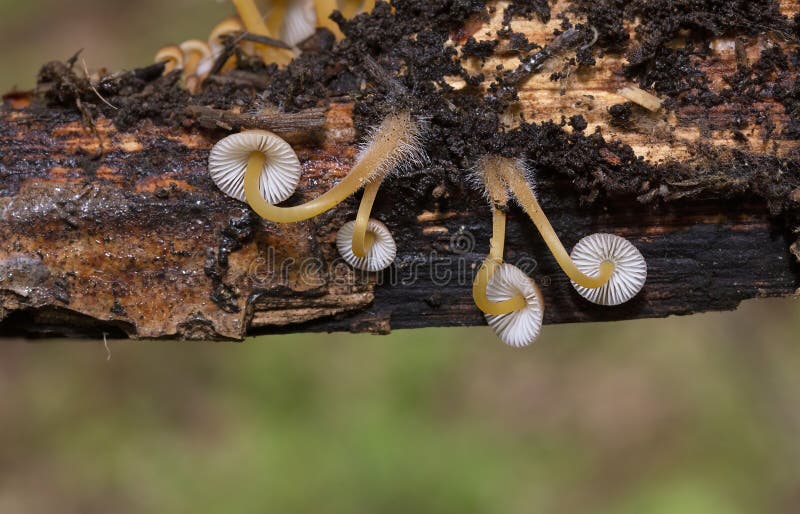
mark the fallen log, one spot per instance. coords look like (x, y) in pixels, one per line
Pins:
(110, 224)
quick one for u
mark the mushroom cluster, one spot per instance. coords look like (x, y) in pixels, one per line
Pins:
(261, 169)
(286, 24)
(603, 268)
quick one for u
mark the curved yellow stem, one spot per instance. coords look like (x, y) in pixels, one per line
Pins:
(361, 238)
(521, 189)
(324, 8)
(336, 195)
(369, 5)
(373, 165)
(487, 269)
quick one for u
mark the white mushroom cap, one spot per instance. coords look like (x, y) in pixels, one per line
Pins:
(630, 268)
(519, 328)
(279, 177)
(300, 22)
(380, 255)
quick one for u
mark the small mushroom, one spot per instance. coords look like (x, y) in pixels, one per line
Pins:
(381, 244)
(268, 158)
(520, 327)
(224, 28)
(630, 268)
(171, 56)
(194, 52)
(197, 63)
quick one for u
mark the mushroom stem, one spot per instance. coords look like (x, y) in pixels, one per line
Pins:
(350, 8)
(324, 8)
(493, 171)
(277, 15)
(362, 240)
(489, 266)
(349, 185)
(254, 23)
(519, 186)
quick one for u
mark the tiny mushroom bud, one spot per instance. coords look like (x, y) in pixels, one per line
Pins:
(630, 268)
(520, 327)
(171, 56)
(382, 248)
(268, 158)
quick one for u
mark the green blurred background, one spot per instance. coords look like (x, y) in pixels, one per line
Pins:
(686, 415)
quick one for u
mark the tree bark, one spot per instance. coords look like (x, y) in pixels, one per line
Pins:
(120, 231)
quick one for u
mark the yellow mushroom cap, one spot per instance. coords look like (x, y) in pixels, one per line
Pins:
(279, 176)
(225, 27)
(630, 268)
(379, 256)
(196, 46)
(172, 55)
(519, 328)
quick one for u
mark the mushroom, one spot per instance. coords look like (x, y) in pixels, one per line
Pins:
(271, 160)
(601, 271)
(630, 268)
(396, 143)
(520, 327)
(226, 27)
(509, 299)
(382, 248)
(171, 56)
(197, 59)
(194, 52)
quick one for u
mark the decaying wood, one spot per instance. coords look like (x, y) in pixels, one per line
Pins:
(120, 231)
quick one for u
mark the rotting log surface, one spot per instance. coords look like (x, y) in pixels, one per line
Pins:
(120, 231)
